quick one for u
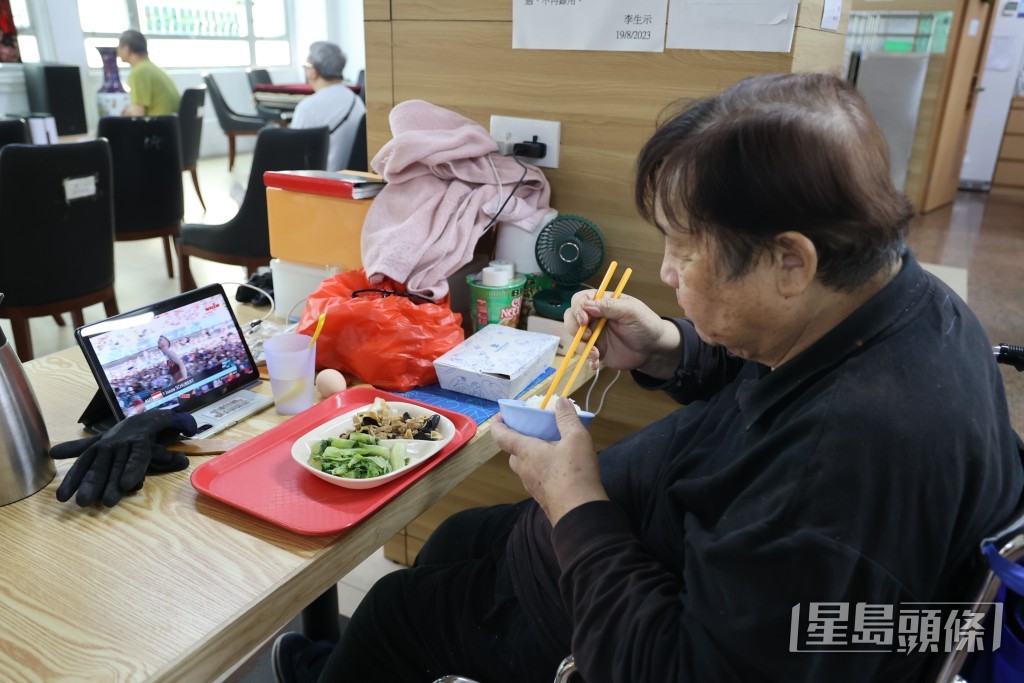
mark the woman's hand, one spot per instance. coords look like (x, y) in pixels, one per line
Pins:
(560, 475)
(634, 338)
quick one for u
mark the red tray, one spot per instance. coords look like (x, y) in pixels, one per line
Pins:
(261, 477)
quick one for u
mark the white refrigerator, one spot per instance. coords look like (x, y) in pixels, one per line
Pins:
(1001, 80)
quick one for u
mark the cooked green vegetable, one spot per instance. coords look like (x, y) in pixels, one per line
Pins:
(357, 458)
(398, 458)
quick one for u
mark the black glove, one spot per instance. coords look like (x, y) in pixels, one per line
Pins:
(115, 463)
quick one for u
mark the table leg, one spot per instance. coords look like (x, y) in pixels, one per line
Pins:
(320, 619)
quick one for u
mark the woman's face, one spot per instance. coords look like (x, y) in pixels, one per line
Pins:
(735, 313)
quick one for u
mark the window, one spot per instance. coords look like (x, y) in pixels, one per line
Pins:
(895, 31)
(192, 33)
(28, 46)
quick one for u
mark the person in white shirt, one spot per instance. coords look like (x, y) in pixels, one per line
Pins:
(332, 103)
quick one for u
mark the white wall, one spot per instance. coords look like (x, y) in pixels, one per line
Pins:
(61, 41)
(338, 21)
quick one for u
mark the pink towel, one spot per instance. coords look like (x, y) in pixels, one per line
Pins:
(441, 194)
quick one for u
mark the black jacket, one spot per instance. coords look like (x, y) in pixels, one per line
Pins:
(864, 470)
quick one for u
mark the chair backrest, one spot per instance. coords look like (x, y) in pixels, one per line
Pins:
(357, 160)
(277, 149)
(220, 105)
(146, 154)
(361, 82)
(14, 131)
(190, 123)
(258, 77)
(58, 208)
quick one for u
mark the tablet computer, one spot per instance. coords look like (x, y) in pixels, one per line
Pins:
(185, 353)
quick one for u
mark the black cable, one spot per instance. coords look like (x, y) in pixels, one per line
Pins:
(503, 204)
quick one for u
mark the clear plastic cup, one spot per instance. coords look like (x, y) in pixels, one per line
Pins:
(290, 364)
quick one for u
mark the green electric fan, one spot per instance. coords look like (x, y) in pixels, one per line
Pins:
(569, 249)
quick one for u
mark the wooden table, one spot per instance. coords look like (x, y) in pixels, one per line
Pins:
(169, 585)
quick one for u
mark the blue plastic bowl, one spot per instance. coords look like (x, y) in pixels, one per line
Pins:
(534, 421)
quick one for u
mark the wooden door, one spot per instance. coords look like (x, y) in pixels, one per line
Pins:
(966, 41)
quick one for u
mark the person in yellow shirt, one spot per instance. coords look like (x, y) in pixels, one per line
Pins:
(152, 90)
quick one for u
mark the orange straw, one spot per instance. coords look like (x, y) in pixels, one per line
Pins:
(579, 335)
(597, 332)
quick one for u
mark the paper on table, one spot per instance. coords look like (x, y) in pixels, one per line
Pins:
(747, 25)
(612, 25)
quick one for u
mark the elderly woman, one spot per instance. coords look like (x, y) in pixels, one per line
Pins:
(844, 446)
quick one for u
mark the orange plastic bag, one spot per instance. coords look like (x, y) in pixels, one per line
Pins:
(379, 333)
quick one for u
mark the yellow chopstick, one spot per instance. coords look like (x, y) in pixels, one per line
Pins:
(579, 335)
(597, 332)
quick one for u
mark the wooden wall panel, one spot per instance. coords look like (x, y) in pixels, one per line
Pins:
(817, 50)
(607, 110)
(501, 10)
(466, 65)
(1010, 173)
(376, 10)
(379, 84)
(809, 15)
(453, 10)
(1013, 148)
(1015, 122)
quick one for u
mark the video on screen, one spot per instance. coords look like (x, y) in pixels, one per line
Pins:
(170, 359)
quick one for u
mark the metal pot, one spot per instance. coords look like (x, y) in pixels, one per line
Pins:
(25, 462)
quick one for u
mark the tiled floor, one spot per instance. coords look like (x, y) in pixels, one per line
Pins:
(983, 234)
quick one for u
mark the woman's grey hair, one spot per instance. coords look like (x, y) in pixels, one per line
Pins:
(776, 153)
(327, 59)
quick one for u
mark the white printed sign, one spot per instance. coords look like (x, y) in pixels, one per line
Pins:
(611, 25)
(77, 188)
(748, 25)
(830, 14)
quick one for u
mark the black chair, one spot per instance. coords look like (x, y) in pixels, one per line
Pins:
(245, 239)
(361, 84)
(58, 232)
(190, 121)
(274, 115)
(233, 123)
(357, 160)
(14, 131)
(258, 77)
(148, 199)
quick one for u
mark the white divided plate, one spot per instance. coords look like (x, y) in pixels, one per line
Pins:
(417, 450)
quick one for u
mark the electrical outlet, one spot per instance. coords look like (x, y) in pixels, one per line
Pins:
(508, 129)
